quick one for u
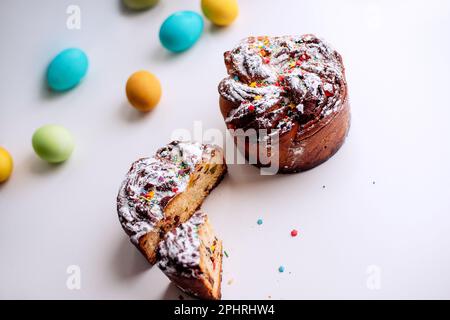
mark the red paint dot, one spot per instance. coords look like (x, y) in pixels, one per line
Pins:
(294, 233)
(328, 93)
(251, 108)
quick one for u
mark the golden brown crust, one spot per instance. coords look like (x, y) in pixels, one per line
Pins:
(317, 144)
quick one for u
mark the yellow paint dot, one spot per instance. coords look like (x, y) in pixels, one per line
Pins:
(253, 84)
(258, 97)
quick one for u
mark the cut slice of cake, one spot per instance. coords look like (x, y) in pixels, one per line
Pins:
(162, 191)
(191, 257)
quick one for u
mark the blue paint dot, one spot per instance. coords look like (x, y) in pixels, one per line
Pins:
(259, 222)
(281, 269)
(236, 78)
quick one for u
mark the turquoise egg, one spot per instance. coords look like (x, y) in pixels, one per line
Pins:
(67, 69)
(181, 30)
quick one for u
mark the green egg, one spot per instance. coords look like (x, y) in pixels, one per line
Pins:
(140, 4)
(53, 143)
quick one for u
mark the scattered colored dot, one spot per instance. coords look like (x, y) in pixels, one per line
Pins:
(329, 93)
(226, 254)
(259, 222)
(281, 269)
(294, 233)
(251, 108)
(236, 78)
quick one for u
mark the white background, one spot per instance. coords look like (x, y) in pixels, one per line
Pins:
(397, 59)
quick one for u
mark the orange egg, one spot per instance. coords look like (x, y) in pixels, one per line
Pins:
(143, 90)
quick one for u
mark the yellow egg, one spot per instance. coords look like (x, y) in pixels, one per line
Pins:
(220, 12)
(143, 90)
(6, 165)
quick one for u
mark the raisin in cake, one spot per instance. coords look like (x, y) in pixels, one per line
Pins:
(162, 191)
(191, 257)
(291, 85)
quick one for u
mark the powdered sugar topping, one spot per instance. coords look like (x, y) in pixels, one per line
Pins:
(180, 249)
(275, 82)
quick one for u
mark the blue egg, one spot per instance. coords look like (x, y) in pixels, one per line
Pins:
(181, 30)
(67, 69)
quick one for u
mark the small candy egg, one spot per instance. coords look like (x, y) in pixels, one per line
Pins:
(143, 90)
(140, 4)
(67, 69)
(220, 12)
(6, 165)
(181, 30)
(53, 143)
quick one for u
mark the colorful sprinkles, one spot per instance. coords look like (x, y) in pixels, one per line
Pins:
(271, 77)
(294, 233)
(259, 222)
(281, 269)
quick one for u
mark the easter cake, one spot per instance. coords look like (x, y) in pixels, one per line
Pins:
(165, 190)
(191, 257)
(294, 86)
